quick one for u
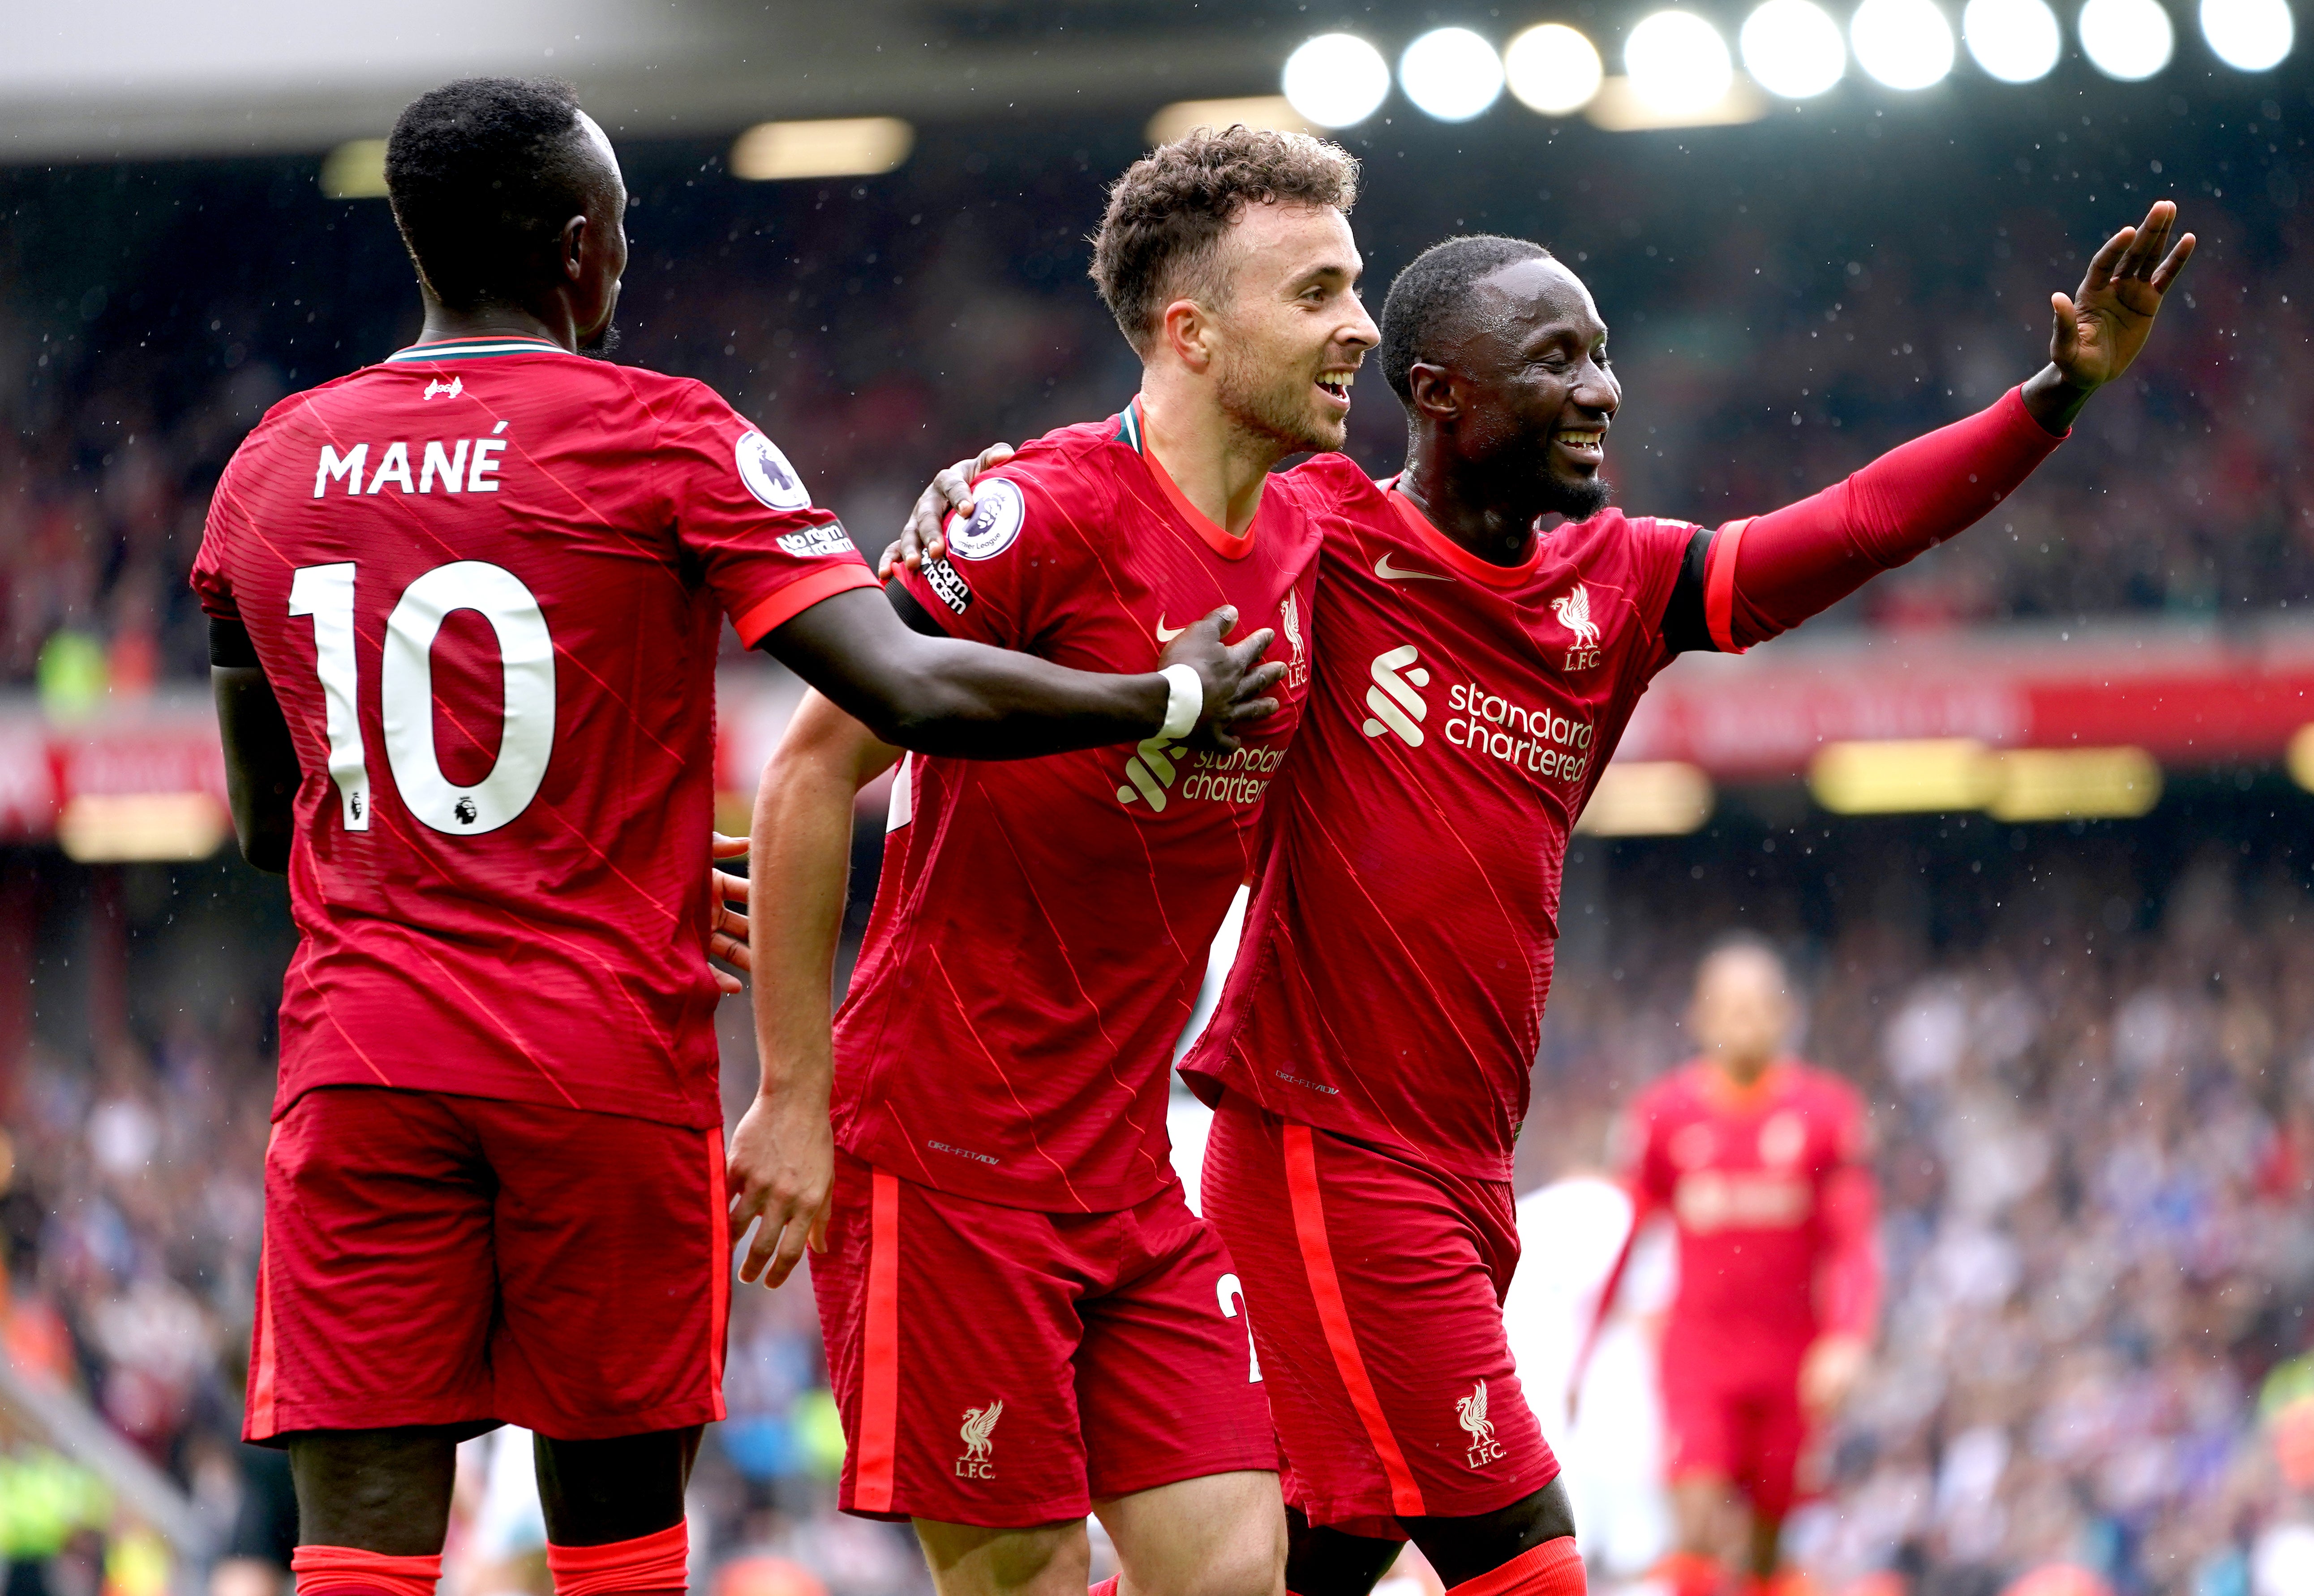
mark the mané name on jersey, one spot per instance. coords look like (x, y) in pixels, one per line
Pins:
(1041, 925)
(485, 580)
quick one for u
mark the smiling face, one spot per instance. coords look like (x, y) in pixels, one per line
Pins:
(1531, 392)
(1289, 334)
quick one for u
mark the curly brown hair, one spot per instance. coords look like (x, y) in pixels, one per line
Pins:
(1160, 237)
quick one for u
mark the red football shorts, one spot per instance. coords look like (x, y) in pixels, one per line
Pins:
(431, 1259)
(1375, 1286)
(1747, 1427)
(1004, 1367)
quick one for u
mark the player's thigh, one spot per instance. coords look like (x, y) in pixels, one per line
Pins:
(1374, 1287)
(612, 1238)
(1167, 1387)
(376, 1283)
(952, 1331)
(968, 1560)
(1772, 1441)
(1216, 1535)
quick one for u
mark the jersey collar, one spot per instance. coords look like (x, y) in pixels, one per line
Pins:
(1723, 1089)
(1133, 432)
(1456, 556)
(476, 349)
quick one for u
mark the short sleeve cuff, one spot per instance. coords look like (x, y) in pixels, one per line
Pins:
(766, 615)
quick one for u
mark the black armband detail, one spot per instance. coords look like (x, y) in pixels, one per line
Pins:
(229, 645)
(918, 618)
(1685, 629)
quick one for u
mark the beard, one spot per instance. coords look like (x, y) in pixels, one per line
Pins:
(1260, 400)
(604, 344)
(1576, 500)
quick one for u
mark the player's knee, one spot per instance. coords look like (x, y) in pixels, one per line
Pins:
(964, 1557)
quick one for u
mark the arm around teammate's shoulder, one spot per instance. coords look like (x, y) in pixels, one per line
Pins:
(942, 695)
(782, 1166)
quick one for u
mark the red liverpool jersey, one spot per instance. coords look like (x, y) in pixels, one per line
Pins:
(1773, 1204)
(1041, 925)
(485, 580)
(1398, 950)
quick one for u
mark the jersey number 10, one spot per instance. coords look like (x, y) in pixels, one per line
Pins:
(406, 691)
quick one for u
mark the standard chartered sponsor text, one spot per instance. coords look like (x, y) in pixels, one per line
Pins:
(1541, 741)
(1238, 776)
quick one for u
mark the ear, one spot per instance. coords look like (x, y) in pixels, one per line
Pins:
(570, 247)
(1185, 329)
(1432, 392)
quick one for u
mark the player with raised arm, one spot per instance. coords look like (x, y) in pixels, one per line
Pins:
(1024, 1320)
(1371, 1054)
(463, 608)
(1760, 1163)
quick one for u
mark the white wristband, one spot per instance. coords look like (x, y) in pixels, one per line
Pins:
(1188, 696)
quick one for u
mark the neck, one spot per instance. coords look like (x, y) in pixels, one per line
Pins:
(1219, 465)
(1746, 1072)
(1458, 504)
(499, 321)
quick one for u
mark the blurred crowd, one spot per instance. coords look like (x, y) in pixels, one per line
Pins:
(1777, 319)
(2093, 1095)
(2095, 1118)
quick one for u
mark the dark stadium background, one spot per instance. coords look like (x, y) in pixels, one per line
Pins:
(2089, 1043)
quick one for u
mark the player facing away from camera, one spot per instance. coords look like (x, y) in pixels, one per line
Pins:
(1369, 1059)
(1024, 1320)
(1760, 1161)
(463, 608)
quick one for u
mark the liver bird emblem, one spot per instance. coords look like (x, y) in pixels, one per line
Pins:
(979, 1424)
(1573, 609)
(1471, 1410)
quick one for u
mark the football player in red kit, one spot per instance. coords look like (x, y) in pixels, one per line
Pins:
(1759, 1160)
(1024, 1320)
(1370, 1056)
(463, 608)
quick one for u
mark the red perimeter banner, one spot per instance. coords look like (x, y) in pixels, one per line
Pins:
(2191, 697)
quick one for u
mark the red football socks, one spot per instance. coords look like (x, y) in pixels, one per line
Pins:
(1107, 1587)
(1554, 1568)
(348, 1571)
(648, 1563)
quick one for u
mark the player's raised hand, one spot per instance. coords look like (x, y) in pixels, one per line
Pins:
(2100, 329)
(727, 928)
(1236, 683)
(951, 494)
(780, 1169)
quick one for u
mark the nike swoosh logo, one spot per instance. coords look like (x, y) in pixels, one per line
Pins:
(1166, 634)
(1388, 573)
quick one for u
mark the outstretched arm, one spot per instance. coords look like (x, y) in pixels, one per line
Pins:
(1751, 579)
(781, 1165)
(1848, 1291)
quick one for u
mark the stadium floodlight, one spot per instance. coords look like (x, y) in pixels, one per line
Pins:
(1677, 62)
(2248, 35)
(1452, 74)
(2128, 39)
(1792, 47)
(1336, 80)
(2018, 41)
(837, 146)
(1553, 69)
(106, 829)
(1903, 776)
(1903, 44)
(355, 170)
(2302, 756)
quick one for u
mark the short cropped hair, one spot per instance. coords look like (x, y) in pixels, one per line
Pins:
(1160, 237)
(482, 173)
(1425, 308)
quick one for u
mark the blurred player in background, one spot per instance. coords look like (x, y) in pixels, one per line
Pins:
(1369, 1060)
(1760, 1161)
(1024, 1319)
(464, 613)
